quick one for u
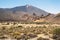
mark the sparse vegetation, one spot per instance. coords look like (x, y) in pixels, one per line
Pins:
(28, 31)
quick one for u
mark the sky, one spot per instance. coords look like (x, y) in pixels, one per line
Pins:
(51, 6)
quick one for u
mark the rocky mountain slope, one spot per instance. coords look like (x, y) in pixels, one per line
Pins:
(27, 13)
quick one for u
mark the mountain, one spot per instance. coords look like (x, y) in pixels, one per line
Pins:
(29, 9)
(56, 19)
(18, 13)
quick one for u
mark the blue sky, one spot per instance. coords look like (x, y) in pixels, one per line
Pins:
(52, 6)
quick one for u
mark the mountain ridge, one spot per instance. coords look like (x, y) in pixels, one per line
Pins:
(25, 13)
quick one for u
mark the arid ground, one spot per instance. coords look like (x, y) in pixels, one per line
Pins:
(22, 31)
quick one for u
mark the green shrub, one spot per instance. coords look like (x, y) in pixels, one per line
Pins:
(56, 33)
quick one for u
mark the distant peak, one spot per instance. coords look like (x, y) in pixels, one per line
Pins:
(28, 5)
